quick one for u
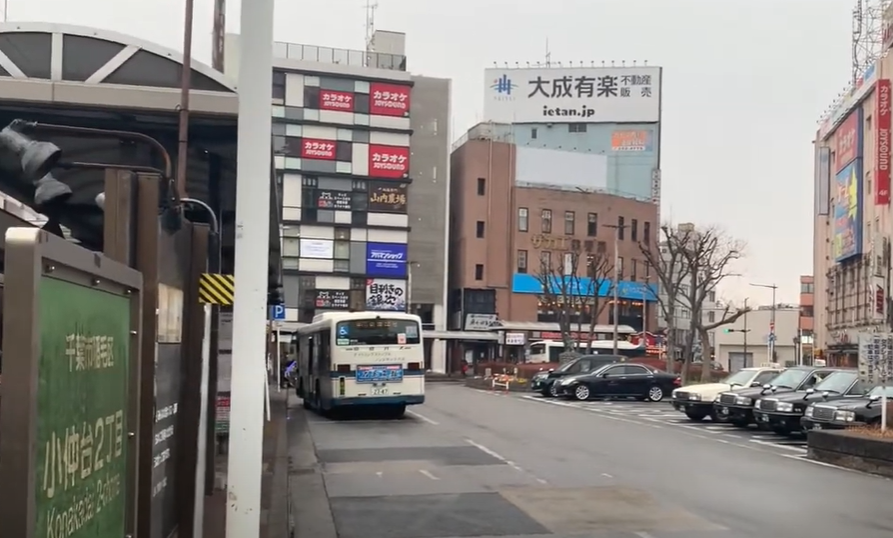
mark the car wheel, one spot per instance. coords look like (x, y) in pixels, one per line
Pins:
(581, 392)
(715, 417)
(553, 389)
(695, 416)
(655, 394)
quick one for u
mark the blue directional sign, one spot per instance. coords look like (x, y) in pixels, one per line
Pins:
(277, 312)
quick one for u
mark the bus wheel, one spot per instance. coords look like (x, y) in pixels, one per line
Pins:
(398, 411)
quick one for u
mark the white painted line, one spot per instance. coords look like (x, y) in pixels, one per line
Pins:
(428, 474)
(379, 474)
(486, 450)
(541, 481)
(643, 534)
(606, 475)
(776, 445)
(423, 418)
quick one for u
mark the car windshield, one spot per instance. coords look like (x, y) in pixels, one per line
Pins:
(837, 382)
(564, 367)
(739, 378)
(880, 391)
(790, 379)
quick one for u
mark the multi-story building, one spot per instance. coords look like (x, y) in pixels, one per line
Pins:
(745, 342)
(852, 224)
(807, 317)
(361, 148)
(511, 220)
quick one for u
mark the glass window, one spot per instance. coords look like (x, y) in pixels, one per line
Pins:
(291, 247)
(546, 218)
(837, 382)
(482, 186)
(479, 271)
(569, 218)
(621, 228)
(342, 250)
(380, 331)
(522, 261)
(341, 266)
(646, 233)
(620, 267)
(592, 224)
(545, 261)
(523, 218)
(479, 229)
(634, 230)
(633, 269)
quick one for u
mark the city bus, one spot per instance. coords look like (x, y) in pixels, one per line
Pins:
(347, 360)
(549, 350)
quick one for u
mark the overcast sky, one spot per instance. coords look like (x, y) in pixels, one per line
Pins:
(745, 82)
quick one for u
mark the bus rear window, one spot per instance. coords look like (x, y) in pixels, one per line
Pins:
(377, 332)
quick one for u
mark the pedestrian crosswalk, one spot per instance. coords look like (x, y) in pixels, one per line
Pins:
(662, 413)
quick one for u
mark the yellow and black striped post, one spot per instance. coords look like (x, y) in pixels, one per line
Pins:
(214, 288)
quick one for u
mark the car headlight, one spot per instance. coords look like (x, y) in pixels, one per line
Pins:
(845, 416)
(785, 407)
(716, 398)
(809, 411)
(759, 404)
(743, 400)
(694, 397)
(567, 381)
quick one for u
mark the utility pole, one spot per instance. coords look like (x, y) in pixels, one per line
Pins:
(615, 310)
(745, 334)
(771, 342)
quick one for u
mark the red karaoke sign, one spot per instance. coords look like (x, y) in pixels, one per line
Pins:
(335, 100)
(324, 150)
(390, 162)
(389, 99)
(882, 176)
(847, 140)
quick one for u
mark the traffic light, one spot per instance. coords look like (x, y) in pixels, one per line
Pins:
(275, 296)
(31, 161)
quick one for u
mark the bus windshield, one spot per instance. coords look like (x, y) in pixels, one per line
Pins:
(378, 332)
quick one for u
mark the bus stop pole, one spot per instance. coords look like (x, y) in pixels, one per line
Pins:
(252, 245)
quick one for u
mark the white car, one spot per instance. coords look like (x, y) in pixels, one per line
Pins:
(696, 401)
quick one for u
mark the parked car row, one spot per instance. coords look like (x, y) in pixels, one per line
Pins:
(605, 376)
(787, 402)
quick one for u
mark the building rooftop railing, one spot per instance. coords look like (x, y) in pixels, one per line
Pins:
(327, 55)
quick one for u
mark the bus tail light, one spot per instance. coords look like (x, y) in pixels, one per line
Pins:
(343, 369)
(413, 366)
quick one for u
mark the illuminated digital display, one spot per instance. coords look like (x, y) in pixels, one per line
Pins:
(376, 323)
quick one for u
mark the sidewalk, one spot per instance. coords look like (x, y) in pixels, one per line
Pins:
(310, 512)
(274, 483)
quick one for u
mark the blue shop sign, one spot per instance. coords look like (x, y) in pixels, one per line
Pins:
(386, 259)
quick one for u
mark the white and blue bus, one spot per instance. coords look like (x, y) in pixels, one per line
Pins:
(361, 359)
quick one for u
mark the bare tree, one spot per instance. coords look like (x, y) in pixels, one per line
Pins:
(561, 290)
(669, 264)
(709, 254)
(600, 273)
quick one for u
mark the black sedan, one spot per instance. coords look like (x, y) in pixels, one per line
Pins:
(546, 383)
(782, 413)
(737, 406)
(620, 381)
(847, 412)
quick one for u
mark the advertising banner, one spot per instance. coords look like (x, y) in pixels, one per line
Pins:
(387, 161)
(335, 100)
(846, 239)
(387, 197)
(389, 295)
(332, 299)
(848, 140)
(338, 200)
(389, 99)
(631, 141)
(312, 148)
(594, 95)
(882, 137)
(386, 259)
(822, 179)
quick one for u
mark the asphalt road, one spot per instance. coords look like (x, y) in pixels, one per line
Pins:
(474, 464)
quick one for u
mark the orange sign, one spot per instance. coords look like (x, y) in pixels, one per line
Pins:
(631, 141)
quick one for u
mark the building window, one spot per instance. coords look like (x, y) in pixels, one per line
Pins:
(806, 311)
(634, 230)
(522, 261)
(711, 297)
(576, 127)
(546, 226)
(807, 287)
(533, 133)
(278, 85)
(545, 261)
(711, 316)
(592, 224)
(620, 267)
(621, 227)
(523, 219)
(479, 231)
(646, 232)
(482, 186)
(633, 269)
(647, 271)
(479, 271)
(569, 218)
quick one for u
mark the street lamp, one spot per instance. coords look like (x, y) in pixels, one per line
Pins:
(771, 344)
(616, 307)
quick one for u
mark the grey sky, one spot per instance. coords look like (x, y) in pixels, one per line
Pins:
(744, 83)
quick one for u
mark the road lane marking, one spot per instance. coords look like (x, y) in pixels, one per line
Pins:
(606, 475)
(379, 474)
(643, 534)
(777, 445)
(486, 450)
(429, 474)
(423, 418)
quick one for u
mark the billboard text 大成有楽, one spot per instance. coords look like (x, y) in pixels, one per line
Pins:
(386, 259)
(591, 95)
(390, 162)
(846, 236)
(848, 140)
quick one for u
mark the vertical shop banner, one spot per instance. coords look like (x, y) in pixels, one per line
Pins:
(882, 175)
(323, 150)
(389, 295)
(848, 140)
(389, 99)
(390, 162)
(335, 100)
(386, 259)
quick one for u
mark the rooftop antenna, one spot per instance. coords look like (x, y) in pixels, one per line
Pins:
(868, 35)
(371, 6)
(548, 54)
